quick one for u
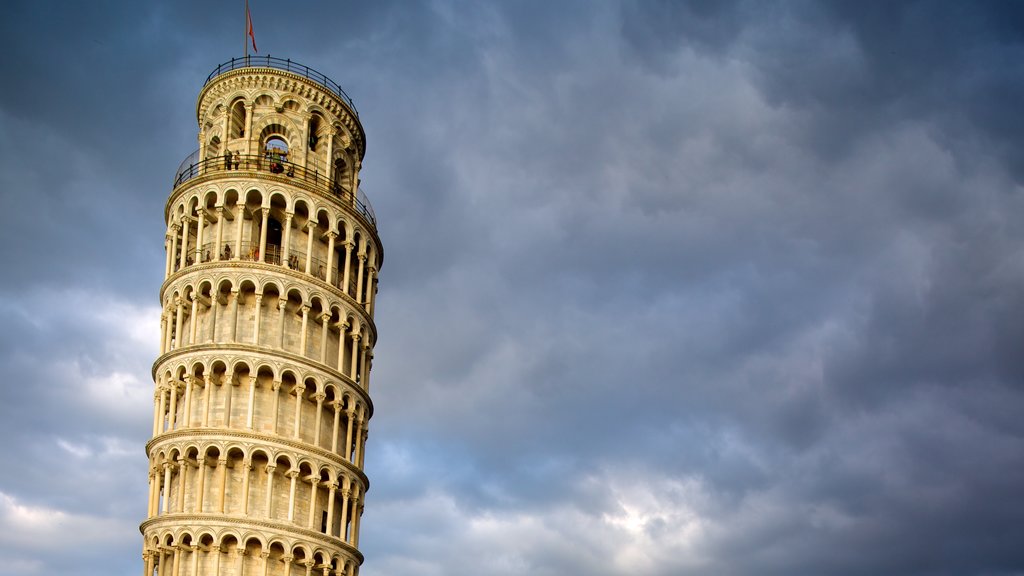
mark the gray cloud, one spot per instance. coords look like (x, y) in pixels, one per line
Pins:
(711, 288)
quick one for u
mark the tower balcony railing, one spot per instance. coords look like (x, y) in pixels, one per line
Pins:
(192, 167)
(288, 66)
(250, 252)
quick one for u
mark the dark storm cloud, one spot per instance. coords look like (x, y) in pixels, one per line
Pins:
(710, 288)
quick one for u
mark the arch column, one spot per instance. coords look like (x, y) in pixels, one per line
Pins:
(178, 320)
(200, 229)
(371, 289)
(305, 324)
(282, 305)
(298, 391)
(201, 483)
(172, 408)
(269, 510)
(265, 213)
(164, 501)
(359, 278)
(219, 247)
(222, 464)
(311, 229)
(193, 319)
(286, 249)
(292, 475)
(251, 410)
(185, 225)
(240, 219)
(319, 397)
(175, 228)
(313, 483)
(195, 561)
(342, 326)
(349, 416)
(182, 467)
(345, 498)
(334, 429)
(331, 489)
(257, 317)
(355, 354)
(168, 255)
(360, 434)
(349, 245)
(235, 294)
(324, 318)
(246, 469)
(208, 387)
(331, 235)
(186, 417)
(276, 387)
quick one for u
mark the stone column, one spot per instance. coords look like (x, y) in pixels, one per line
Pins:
(331, 489)
(362, 450)
(251, 411)
(163, 408)
(187, 415)
(298, 390)
(355, 355)
(265, 556)
(175, 228)
(222, 464)
(359, 436)
(371, 290)
(163, 333)
(345, 497)
(263, 235)
(158, 409)
(276, 387)
(286, 241)
(235, 295)
(195, 561)
(359, 278)
(342, 327)
(313, 483)
(323, 336)
(292, 475)
(302, 337)
(227, 386)
(175, 562)
(201, 481)
(282, 305)
(200, 229)
(168, 255)
(257, 316)
(178, 321)
(357, 515)
(349, 416)
(240, 219)
(334, 428)
(172, 408)
(214, 294)
(331, 235)
(216, 559)
(206, 400)
(269, 510)
(348, 263)
(193, 320)
(311, 229)
(152, 487)
(166, 488)
(185, 225)
(218, 248)
(319, 397)
(240, 563)
(182, 468)
(246, 469)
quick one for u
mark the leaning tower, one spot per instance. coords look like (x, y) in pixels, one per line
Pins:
(263, 379)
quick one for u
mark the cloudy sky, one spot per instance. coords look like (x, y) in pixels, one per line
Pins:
(709, 288)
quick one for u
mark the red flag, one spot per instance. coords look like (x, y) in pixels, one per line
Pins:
(249, 32)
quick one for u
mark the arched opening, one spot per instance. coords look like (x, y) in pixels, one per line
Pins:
(236, 128)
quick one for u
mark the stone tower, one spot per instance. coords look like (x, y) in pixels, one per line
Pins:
(262, 383)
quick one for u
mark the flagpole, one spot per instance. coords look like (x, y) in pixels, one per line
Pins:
(245, 37)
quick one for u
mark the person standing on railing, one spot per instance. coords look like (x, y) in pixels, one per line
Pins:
(237, 157)
(227, 160)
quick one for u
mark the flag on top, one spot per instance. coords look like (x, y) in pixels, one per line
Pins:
(248, 29)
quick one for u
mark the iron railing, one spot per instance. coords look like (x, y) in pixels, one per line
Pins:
(288, 66)
(250, 252)
(192, 167)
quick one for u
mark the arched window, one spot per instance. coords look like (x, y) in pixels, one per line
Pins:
(237, 127)
(276, 151)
